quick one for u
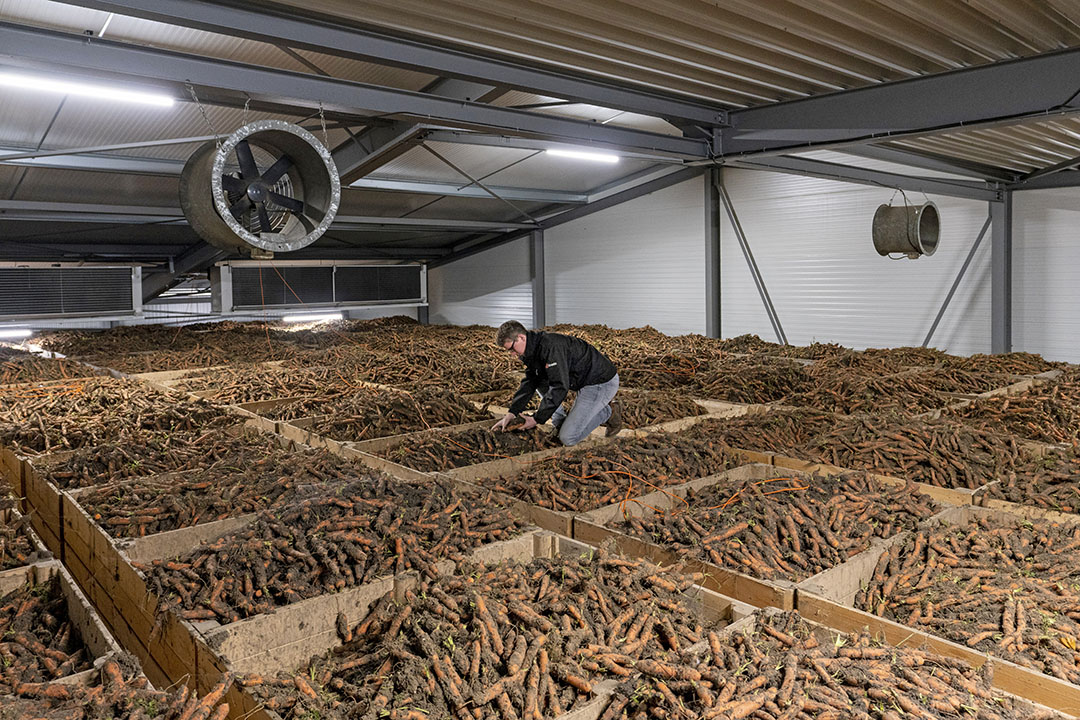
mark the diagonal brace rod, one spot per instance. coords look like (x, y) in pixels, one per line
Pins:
(759, 281)
(956, 282)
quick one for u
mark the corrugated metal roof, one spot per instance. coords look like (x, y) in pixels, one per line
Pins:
(739, 52)
(1021, 148)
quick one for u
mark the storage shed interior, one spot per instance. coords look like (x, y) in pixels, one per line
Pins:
(252, 261)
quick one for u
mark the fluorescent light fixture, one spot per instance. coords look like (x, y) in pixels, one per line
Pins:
(312, 317)
(15, 334)
(582, 155)
(28, 82)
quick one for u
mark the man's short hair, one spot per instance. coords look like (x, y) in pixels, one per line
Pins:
(509, 330)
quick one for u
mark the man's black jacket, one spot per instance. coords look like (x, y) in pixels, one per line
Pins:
(555, 364)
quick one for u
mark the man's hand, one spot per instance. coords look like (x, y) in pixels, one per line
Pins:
(530, 423)
(506, 420)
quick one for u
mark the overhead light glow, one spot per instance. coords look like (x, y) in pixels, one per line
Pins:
(102, 92)
(311, 317)
(582, 155)
(18, 333)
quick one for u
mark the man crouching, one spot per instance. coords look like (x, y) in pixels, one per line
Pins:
(555, 364)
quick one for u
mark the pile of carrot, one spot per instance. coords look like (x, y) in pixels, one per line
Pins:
(17, 547)
(507, 641)
(369, 529)
(718, 377)
(1014, 363)
(941, 452)
(446, 451)
(265, 476)
(252, 381)
(36, 369)
(782, 528)
(121, 693)
(911, 391)
(778, 669)
(1051, 481)
(588, 478)
(371, 413)
(1048, 413)
(38, 642)
(1001, 586)
(90, 412)
(142, 453)
(910, 356)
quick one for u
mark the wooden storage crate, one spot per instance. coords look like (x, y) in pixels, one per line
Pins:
(276, 644)
(828, 598)
(39, 553)
(590, 528)
(99, 642)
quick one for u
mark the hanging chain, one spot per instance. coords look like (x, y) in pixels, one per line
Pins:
(322, 121)
(247, 105)
(205, 117)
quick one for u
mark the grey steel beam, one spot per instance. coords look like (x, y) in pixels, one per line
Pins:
(54, 50)
(930, 161)
(576, 213)
(956, 282)
(1062, 179)
(1010, 90)
(29, 154)
(1069, 164)
(751, 263)
(280, 25)
(102, 163)
(539, 290)
(847, 173)
(379, 144)
(196, 258)
(712, 255)
(1001, 217)
(87, 212)
(462, 137)
(471, 191)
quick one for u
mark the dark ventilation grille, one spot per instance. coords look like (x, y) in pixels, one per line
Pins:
(378, 284)
(282, 286)
(65, 291)
(298, 286)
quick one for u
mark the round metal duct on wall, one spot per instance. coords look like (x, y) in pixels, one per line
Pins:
(909, 229)
(270, 187)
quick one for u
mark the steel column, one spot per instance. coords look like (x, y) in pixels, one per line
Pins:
(712, 255)
(1001, 216)
(956, 282)
(539, 290)
(744, 245)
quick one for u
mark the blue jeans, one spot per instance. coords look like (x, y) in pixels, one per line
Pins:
(590, 411)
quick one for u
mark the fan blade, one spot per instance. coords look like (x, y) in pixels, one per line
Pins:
(264, 219)
(248, 169)
(291, 204)
(239, 207)
(233, 184)
(275, 171)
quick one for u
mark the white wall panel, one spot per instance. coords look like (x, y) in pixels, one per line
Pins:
(811, 240)
(488, 288)
(1046, 273)
(640, 263)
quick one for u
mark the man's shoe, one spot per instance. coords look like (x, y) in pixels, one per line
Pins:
(614, 423)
